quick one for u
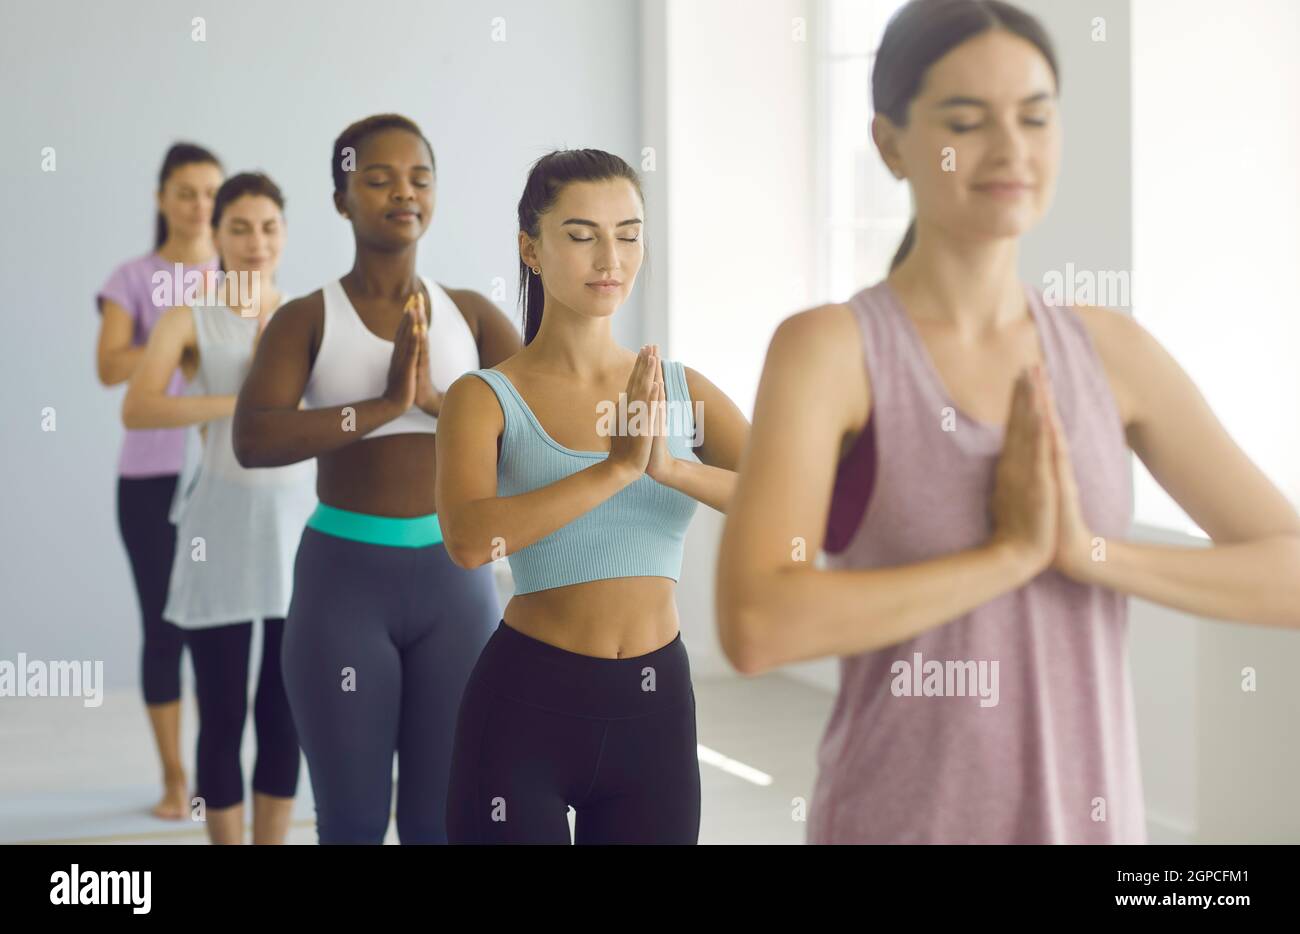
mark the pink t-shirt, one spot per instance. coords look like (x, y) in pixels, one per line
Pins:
(149, 452)
(1013, 723)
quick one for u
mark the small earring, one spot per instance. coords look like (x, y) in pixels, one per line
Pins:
(537, 270)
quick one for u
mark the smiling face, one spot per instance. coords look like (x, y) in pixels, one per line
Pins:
(186, 198)
(589, 246)
(390, 196)
(992, 99)
(250, 236)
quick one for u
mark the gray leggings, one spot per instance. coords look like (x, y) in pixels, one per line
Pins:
(378, 646)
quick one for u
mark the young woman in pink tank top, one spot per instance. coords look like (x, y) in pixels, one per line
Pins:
(151, 460)
(959, 451)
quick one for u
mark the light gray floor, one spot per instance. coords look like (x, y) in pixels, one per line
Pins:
(72, 774)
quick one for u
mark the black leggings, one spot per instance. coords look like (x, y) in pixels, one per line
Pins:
(220, 656)
(150, 539)
(542, 728)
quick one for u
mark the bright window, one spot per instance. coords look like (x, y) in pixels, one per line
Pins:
(864, 209)
(1216, 219)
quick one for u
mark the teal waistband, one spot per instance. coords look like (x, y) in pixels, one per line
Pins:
(415, 532)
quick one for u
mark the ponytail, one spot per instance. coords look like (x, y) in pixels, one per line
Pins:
(533, 297)
(909, 238)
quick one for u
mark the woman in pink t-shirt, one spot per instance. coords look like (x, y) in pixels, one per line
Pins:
(130, 303)
(977, 567)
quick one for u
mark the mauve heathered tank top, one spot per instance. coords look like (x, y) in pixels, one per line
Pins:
(919, 747)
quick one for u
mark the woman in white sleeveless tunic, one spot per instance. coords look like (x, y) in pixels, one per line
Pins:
(237, 528)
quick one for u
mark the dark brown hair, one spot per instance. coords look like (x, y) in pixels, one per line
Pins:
(245, 183)
(924, 31)
(180, 154)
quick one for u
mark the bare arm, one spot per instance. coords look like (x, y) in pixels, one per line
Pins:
(496, 337)
(147, 404)
(773, 605)
(1251, 573)
(269, 428)
(723, 431)
(115, 354)
(478, 525)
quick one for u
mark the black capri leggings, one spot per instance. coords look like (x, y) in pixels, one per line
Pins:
(220, 656)
(542, 729)
(150, 539)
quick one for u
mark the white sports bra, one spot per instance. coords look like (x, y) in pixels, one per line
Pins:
(352, 362)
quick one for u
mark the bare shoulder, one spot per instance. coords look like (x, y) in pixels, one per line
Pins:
(473, 306)
(1109, 329)
(298, 322)
(469, 398)
(822, 326)
(701, 389)
(1127, 351)
(697, 385)
(303, 311)
(820, 348)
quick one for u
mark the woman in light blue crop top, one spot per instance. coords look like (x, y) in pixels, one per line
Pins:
(582, 462)
(383, 628)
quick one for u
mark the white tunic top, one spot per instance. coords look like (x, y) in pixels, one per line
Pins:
(237, 528)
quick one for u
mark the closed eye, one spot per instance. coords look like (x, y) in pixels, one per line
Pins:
(958, 128)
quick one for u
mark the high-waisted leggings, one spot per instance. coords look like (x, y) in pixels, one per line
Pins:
(543, 729)
(150, 539)
(378, 645)
(220, 655)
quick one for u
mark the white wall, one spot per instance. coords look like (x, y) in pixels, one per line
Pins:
(731, 80)
(1216, 140)
(110, 86)
(1216, 105)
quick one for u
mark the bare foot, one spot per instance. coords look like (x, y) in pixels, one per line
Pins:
(174, 804)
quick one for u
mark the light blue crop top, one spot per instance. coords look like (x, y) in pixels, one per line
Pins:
(637, 532)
